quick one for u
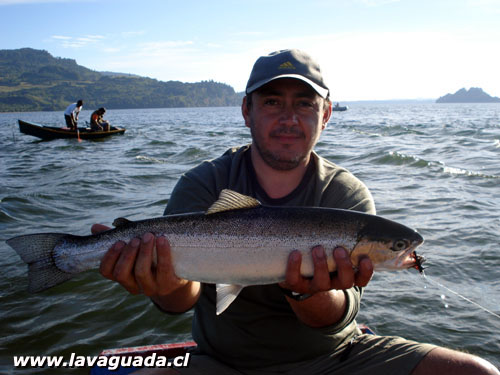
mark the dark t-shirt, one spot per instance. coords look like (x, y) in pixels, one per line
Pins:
(259, 328)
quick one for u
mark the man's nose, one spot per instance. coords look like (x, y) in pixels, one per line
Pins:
(289, 115)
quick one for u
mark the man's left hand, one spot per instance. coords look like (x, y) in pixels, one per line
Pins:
(345, 277)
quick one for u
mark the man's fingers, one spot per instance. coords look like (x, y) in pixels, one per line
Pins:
(321, 280)
(138, 268)
(142, 270)
(165, 272)
(365, 272)
(345, 272)
(166, 279)
(293, 279)
(125, 264)
(293, 268)
(345, 276)
(109, 260)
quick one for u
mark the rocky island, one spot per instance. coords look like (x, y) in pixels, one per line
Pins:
(473, 95)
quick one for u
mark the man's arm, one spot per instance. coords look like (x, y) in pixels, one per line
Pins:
(328, 303)
(132, 265)
(335, 298)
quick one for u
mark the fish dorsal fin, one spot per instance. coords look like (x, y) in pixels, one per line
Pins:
(231, 200)
(120, 222)
(226, 294)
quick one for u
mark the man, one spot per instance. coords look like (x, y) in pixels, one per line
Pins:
(97, 123)
(71, 114)
(301, 325)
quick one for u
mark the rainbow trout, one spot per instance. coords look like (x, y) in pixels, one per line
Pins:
(237, 241)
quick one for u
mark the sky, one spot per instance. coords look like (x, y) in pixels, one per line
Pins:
(367, 49)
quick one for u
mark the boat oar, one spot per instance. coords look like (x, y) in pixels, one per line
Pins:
(78, 134)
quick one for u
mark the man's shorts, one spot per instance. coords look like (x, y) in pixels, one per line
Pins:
(69, 121)
(364, 355)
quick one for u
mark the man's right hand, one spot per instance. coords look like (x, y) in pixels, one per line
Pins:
(133, 266)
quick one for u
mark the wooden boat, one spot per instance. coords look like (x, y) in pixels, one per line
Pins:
(152, 352)
(52, 132)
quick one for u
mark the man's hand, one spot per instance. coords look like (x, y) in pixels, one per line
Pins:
(345, 276)
(133, 265)
(327, 304)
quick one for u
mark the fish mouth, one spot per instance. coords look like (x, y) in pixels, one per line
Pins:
(402, 260)
(410, 259)
(418, 259)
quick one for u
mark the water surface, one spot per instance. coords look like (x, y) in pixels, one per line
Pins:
(433, 167)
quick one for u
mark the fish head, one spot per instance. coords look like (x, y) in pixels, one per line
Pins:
(388, 244)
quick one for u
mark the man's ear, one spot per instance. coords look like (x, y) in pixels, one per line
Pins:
(327, 114)
(245, 111)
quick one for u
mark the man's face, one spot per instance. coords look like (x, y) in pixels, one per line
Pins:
(286, 119)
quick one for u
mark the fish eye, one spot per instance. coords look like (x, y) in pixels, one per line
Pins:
(399, 245)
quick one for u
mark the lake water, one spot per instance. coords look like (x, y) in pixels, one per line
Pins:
(432, 167)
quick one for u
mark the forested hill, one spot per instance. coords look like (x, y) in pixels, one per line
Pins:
(34, 80)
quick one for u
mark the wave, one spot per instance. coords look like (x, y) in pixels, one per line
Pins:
(465, 172)
(398, 158)
(5, 217)
(385, 130)
(150, 159)
(186, 156)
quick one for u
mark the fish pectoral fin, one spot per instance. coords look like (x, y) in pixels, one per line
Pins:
(226, 294)
(232, 200)
(121, 221)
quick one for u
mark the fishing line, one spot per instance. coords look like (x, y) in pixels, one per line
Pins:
(459, 295)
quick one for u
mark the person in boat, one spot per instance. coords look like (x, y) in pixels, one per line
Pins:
(97, 123)
(300, 325)
(71, 114)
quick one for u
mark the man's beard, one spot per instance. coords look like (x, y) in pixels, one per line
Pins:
(274, 159)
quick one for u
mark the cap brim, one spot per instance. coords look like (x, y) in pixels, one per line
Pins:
(320, 90)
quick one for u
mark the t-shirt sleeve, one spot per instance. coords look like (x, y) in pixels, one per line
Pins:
(199, 188)
(353, 301)
(339, 188)
(348, 192)
(192, 193)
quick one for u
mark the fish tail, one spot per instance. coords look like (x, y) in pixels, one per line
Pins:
(36, 250)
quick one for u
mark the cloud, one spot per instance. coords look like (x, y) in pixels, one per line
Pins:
(61, 37)
(76, 42)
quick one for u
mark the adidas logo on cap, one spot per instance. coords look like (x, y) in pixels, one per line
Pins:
(286, 65)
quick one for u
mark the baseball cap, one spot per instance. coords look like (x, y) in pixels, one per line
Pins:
(288, 63)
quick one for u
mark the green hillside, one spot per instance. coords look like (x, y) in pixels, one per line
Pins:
(34, 80)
